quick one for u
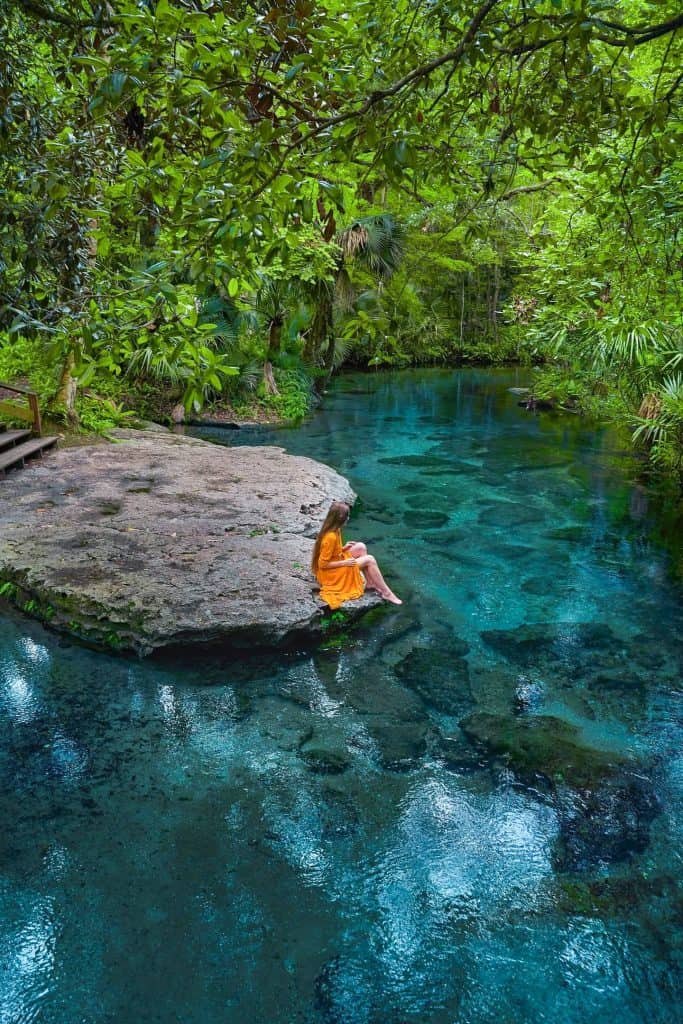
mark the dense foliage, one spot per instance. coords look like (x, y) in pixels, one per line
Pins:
(204, 198)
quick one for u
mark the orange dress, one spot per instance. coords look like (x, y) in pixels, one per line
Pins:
(344, 583)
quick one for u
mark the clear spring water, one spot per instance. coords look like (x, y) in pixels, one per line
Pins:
(312, 837)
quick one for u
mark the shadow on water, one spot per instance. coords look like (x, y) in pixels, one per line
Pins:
(464, 810)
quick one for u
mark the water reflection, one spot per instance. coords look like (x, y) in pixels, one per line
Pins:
(69, 759)
(28, 959)
(20, 696)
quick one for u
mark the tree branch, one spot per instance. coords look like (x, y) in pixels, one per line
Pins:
(423, 71)
(452, 57)
(669, 94)
(524, 189)
(629, 36)
(638, 36)
(39, 10)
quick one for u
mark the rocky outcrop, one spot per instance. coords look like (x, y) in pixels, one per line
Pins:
(160, 539)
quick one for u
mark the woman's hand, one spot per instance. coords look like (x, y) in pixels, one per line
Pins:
(349, 544)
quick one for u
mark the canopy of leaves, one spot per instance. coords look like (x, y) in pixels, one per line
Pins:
(426, 181)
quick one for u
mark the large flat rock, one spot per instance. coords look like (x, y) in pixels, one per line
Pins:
(160, 539)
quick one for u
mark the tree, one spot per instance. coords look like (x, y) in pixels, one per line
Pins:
(193, 147)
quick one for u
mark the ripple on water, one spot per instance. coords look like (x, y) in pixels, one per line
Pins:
(27, 955)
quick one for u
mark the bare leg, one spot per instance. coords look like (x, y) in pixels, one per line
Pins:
(375, 579)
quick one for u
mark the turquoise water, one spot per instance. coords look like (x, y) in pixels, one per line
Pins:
(468, 811)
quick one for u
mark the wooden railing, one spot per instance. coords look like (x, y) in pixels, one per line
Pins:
(16, 411)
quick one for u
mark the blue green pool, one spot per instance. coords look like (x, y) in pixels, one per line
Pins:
(467, 811)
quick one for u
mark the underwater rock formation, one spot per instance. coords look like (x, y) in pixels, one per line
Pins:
(605, 800)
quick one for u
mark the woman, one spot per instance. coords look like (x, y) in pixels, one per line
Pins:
(338, 567)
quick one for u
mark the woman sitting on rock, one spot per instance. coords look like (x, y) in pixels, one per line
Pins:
(338, 567)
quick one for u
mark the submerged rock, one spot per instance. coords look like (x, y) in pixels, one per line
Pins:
(445, 538)
(588, 656)
(392, 715)
(425, 520)
(562, 642)
(425, 461)
(401, 744)
(539, 586)
(511, 552)
(161, 539)
(339, 817)
(451, 469)
(510, 514)
(435, 502)
(605, 825)
(457, 754)
(604, 799)
(655, 898)
(574, 534)
(439, 674)
(324, 761)
(541, 745)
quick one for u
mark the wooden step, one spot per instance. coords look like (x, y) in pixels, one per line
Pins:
(10, 437)
(16, 456)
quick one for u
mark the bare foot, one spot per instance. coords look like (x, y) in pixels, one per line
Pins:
(391, 597)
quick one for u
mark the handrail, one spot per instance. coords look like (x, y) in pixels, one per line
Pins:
(17, 411)
(15, 387)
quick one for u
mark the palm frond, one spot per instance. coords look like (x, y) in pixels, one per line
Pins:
(225, 318)
(674, 358)
(660, 423)
(672, 391)
(353, 240)
(615, 343)
(272, 299)
(341, 351)
(251, 376)
(148, 361)
(376, 241)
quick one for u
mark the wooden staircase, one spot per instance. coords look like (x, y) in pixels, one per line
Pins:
(18, 445)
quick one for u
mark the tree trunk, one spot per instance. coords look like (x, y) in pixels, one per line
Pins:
(64, 401)
(462, 316)
(269, 379)
(274, 341)
(489, 305)
(329, 356)
(317, 339)
(494, 304)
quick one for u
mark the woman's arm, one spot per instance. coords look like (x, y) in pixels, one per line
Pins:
(336, 565)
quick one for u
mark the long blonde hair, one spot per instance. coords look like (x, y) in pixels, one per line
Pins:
(334, 520)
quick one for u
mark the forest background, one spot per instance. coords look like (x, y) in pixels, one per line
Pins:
(220, 203)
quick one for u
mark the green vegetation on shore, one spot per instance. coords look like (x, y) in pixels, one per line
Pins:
(205, 202)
